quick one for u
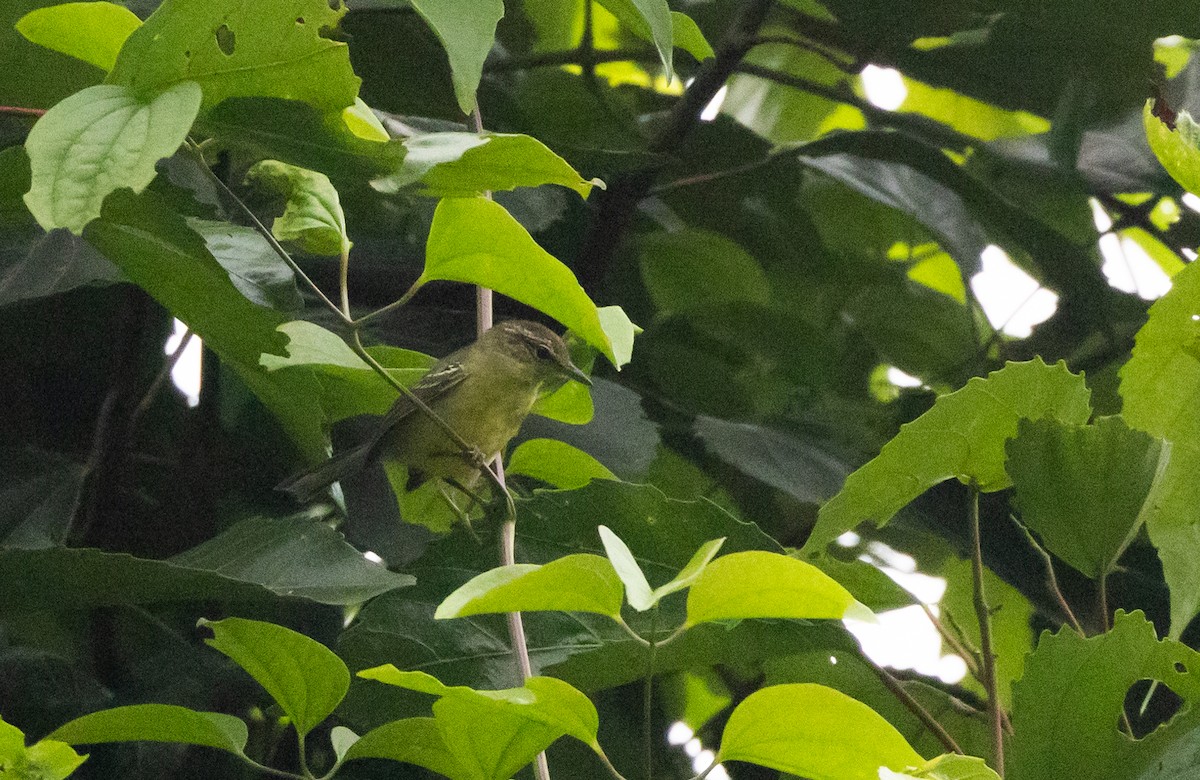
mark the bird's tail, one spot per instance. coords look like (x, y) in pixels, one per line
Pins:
(307, 484)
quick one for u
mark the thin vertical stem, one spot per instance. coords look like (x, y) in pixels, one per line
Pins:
(986, 652)
(508, 532)
(647, 706)
(344, 280)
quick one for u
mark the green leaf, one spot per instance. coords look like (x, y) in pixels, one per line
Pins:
(258, 559)
(1177, 149)
(253, 266)
(767, 585)
(816, 732)
(556, 463)
(45, 760)
(39, 497)
(687, 35)
(1085, 489)
(961, 437)
(99, 140)
(304, 677)
(412, 741)
(341, 739)
(275, 48)
(313, 217)
(156, 723)
(694, 569)
(637, 589)
(475, 241)
(694, 268)
(302, 135)
(503, 162)
(521, 722)
(950, 767)
(92, 32)
(58, 262)
(454, 164)
(651, 19)
(620, 331)
(467, 29)
(574, 583)
(1067, 706)
(157, 251)
(294, 558)
(1159, 386)
(348, 385)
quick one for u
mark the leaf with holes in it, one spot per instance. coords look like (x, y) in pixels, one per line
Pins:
(1067, 708)
(99, 140)
(92, 32)
(313, 217)
(467, 30)
(1177, 147)
(268, 48)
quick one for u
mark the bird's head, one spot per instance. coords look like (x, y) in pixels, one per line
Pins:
(536, 349)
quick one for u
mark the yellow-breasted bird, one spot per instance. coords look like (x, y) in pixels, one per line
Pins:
(483, 391)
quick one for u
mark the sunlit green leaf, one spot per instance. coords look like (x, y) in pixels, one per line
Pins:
(574, 583)
(556, 463)
(313, 217)
(815, 732)
(637, 589)
(688, 36)
(1177, 148)
(304, 677)
(476, 241)
(411, 741)
(651, 19)
(274, 48)
(92, 32)
(100, 140)
(45, 760)
(156, 723)
(767, 585)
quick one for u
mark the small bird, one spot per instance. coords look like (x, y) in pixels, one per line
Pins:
(483, 391)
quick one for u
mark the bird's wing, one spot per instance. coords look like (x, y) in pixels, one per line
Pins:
(440, 380)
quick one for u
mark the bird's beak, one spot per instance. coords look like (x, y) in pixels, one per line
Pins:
(574, 372)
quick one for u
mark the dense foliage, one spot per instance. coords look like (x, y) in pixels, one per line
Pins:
(317, 193)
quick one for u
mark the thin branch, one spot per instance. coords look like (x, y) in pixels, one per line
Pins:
(159, 380)
(984, 615)
(265, 233)
(495, 472)
(1052, 581)
(935, 131)
(915, 707)
(391, 307)
(837, 59)
(970, 658)
(21, 110)
(578, 56)
(617, 205)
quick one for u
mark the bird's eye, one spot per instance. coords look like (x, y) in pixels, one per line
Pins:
(543, 352)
